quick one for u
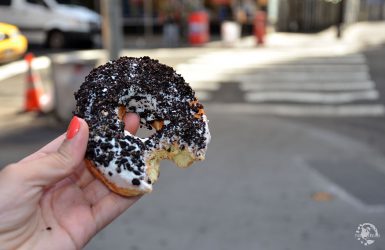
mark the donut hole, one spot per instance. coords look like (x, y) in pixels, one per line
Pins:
(144, 132)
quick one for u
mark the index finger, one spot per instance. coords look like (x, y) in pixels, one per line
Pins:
(131, 121)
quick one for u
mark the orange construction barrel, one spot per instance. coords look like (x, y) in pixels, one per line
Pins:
(198, 32)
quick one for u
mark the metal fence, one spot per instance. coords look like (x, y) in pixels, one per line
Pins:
(371, 10)
(307, 15)
(315, 15)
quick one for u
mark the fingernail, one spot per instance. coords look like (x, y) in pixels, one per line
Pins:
(73, 128)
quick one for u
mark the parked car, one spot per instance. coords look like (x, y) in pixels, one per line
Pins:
(55, 23)
(12, 43)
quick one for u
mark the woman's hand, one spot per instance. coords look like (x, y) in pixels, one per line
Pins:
(49, 200)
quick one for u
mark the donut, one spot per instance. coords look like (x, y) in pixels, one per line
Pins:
(125, 163)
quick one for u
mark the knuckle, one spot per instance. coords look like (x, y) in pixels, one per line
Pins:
(64, 160)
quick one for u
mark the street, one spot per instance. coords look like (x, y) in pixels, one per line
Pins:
(296, 159)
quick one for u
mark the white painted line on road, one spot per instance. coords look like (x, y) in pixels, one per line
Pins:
(15, 68)
(198, 77)
(273, 57)
(304, 77)
(203, 95)
(294, 67)
(204, 85)
(359, 110)
(340, 192)
(329, 86)
(208, 70)
(312, 97)
(334, 60)
(308, 68)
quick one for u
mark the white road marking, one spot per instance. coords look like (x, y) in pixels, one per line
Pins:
(320, 84)
(270, 57)
(304, 77)
(340, 192)
(201, 79)
(358, 59)
(353, 110)
(278, 68)
(329, 86)
(204, 85)
(312, 97)
(203, 95)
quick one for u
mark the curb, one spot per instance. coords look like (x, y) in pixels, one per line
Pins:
(18, 67)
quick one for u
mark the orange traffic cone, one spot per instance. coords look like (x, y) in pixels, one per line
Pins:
(34, 91)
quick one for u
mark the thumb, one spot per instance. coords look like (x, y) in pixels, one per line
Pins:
(57, 165)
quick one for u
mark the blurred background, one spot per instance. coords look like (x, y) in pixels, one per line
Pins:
(294, 90)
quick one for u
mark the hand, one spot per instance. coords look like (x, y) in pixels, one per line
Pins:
(49, 200)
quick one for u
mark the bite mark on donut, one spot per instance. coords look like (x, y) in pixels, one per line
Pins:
(182, 158)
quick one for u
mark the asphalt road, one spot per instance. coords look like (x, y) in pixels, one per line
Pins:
(301, 169)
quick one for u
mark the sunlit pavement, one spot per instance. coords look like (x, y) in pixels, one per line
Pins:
(295, 162)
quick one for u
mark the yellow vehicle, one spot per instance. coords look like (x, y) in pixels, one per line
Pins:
(12, 44)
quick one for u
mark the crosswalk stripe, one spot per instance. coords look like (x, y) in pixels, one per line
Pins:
(270, 58)
(301, 82)
(204, 85)
(369, 110)
(278, 68)
(333, 60)
(201, 79)
(329, 86)
(312, 97)
(310, 77)
(203, 95)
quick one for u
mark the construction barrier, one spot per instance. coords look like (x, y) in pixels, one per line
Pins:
(34, 93)
(198, 28)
